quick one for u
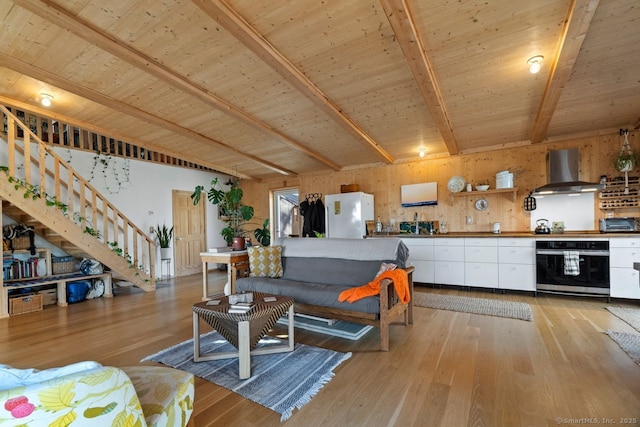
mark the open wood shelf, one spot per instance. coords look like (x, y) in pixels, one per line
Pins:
(508, 191)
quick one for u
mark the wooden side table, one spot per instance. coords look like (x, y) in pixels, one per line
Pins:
(233, 259)
(243, 331)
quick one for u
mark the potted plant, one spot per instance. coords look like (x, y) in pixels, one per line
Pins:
(625, 161)
(235, 213)
(164, 234)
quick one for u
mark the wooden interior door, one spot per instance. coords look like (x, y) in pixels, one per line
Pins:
(189, 232)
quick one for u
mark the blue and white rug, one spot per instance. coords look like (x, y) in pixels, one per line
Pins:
(281, 382)
(339, 328)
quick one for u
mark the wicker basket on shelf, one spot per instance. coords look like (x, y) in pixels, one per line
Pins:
(21, 304)
(62, 265)
(22, 242)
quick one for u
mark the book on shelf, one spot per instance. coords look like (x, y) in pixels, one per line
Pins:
(220, 249)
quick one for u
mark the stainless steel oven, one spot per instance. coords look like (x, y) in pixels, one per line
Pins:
(573, 267)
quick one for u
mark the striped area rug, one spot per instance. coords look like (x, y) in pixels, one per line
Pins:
(628, 341)
(485, 306)
(281, 382)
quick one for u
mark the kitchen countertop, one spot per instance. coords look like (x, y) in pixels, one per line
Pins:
(566, 234)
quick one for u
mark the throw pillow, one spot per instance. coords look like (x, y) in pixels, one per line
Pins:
(265, 261)
(385, 266)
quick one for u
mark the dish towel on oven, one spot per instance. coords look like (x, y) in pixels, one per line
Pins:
(571, 263)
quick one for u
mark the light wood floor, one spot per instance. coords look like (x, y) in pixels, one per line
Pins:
(448, 369)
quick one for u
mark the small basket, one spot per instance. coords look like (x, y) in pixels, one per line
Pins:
(349, 188)
(25, 304)
(49, 296)
(21, 242)
(61, 265)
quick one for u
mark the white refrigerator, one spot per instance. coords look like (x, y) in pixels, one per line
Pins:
(346, 214)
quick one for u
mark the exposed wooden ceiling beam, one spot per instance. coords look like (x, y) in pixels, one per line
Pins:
(229, 19)
(415, 53)
(576, 26)
(92, 95)
(85, 30)
(46, 112)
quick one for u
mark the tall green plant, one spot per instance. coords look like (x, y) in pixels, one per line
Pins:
(235, 213)
(164, 234)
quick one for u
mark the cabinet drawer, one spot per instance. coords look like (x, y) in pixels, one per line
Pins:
(448, 241)
(521, 277)
(481, 254)
(448, 253)
(481, 241)
(623, 257)
(421, 252)
(624, 242)
(625, 283)
(417, 241)
(520, 242)
(424, 272)
(449, 273)
(481, 274)
(517, 255)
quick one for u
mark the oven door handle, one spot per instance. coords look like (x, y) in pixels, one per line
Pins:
(580, 253)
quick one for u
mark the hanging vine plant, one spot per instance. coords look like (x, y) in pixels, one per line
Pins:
(625, 161)
(116, 177)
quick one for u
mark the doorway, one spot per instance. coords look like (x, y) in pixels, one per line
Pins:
(286, 213)
(189, 233)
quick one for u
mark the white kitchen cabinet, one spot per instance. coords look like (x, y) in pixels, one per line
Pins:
(481, 274)
(481, 262)
(448, 254)
(516, 264)
(421, 257)
(625, 281)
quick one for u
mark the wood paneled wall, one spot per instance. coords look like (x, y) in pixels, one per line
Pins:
(528, 163)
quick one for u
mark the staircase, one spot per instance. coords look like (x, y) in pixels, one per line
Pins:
(38, 188)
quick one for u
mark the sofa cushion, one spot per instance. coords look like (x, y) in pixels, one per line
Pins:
(330, 271)
(325, 295)
(12, 377)
(265, 261)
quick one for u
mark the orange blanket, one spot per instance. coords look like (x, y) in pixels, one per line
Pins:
(400, 282)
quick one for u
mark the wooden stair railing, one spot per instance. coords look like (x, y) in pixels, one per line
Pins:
(43, 174)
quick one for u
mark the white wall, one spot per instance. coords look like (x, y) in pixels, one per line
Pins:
(147, 200)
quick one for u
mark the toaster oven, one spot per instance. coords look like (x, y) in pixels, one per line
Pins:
(620, 225)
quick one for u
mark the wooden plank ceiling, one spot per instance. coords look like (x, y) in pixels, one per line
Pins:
(278, 88)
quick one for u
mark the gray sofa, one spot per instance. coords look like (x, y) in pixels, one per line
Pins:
(317, 270)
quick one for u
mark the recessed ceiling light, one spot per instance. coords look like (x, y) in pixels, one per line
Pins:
(45, 99)
(535, 63)
(422, 152)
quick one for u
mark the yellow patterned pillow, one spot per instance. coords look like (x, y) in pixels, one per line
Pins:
(265, 261)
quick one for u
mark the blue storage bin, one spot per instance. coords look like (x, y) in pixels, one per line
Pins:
(77, 291)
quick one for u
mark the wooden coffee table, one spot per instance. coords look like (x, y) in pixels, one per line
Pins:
(243, 331)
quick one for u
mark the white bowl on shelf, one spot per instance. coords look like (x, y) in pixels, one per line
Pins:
(482, 187)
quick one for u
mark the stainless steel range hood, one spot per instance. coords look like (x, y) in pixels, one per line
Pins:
(562, 170)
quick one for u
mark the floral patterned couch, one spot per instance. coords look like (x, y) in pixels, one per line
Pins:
(101, 396)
